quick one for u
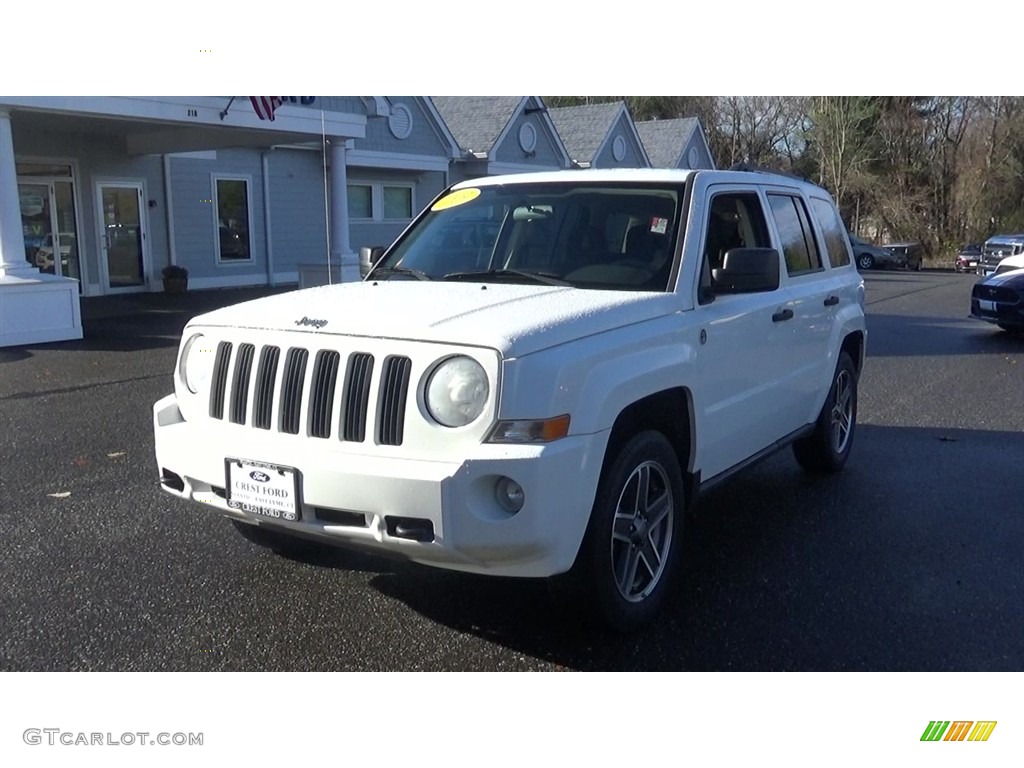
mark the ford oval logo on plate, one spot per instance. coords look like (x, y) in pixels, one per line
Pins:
(260, 477)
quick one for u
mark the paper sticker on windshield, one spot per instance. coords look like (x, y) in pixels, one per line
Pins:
(659, 226)
(458, 197)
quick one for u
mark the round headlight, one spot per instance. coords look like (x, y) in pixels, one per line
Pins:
(197, 363)
(457, 392)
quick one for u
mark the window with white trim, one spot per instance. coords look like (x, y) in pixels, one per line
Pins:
(231, 201)
(360, 201)
(379, 201)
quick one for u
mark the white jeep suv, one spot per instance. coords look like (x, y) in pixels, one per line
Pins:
(536, 379)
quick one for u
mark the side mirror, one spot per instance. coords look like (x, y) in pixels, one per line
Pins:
(368, 257)
(747, 270)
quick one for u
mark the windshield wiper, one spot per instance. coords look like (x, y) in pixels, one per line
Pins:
(541, 277)
(385, 271)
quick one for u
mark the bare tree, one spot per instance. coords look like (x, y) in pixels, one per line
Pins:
(764, 130)
(841, 133)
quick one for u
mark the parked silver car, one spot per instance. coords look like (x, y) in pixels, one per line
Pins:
(868, 256)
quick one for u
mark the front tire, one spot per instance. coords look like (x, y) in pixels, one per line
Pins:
(827, 448)
(867, 261)
(630, 553)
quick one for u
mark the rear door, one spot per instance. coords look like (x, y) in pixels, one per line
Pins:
(812, 300)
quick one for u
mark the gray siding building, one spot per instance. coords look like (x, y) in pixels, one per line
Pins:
(677, 143)
(600, 136)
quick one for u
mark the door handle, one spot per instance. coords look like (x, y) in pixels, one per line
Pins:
(782, 314)
(831, 301)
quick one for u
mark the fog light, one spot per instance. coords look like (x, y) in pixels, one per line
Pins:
(510, 494)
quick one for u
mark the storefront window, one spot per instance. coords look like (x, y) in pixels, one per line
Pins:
(47, 201)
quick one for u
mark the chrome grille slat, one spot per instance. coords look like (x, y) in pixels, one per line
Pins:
(240, 383)
(266, 377)
(356, 397)
(220, 379)
(391, 407)
(298, 390)
(321, 406)
(291, 389)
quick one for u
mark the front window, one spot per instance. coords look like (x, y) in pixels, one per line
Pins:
(601, 236)
(360, 201)
(232, 202)
(397, 202)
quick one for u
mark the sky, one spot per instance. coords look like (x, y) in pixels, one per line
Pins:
(735, 47)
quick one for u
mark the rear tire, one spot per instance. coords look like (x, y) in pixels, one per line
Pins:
(828, 447)
(867, 261)
(630, 552)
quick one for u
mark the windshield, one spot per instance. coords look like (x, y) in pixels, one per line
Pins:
(603, 236)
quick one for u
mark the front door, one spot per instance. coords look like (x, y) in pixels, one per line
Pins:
(123, 238)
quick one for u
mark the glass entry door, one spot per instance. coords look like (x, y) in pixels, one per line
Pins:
(122, 235)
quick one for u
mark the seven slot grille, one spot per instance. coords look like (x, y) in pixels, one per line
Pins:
(259, 373)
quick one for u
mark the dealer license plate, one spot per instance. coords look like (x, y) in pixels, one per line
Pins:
(988, 306)
(263, 489)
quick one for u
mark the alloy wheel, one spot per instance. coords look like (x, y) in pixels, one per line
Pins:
(842, 411)
(642, 531)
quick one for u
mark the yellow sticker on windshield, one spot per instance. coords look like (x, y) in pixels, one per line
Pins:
(458, 197)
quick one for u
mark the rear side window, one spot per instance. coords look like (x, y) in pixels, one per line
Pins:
(798, 246)
(833, 231)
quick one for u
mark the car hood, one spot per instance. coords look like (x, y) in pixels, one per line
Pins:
(1012, 279)
(514, 319)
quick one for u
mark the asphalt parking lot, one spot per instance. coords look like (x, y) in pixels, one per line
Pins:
(908, 560)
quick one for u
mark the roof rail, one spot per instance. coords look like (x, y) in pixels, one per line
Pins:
(752, 168)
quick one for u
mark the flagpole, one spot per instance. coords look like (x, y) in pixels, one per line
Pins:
(327, 209)
(225, 112)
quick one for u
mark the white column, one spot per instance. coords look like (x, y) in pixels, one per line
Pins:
(12, 239)
(35, 307)
(341, 249)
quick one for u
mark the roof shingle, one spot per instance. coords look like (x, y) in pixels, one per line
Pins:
(584, 128)
(664, 140)
(476, 122)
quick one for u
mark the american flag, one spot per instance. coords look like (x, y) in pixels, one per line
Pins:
(265, 106)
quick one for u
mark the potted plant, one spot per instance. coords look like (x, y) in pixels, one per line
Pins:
(175, 279)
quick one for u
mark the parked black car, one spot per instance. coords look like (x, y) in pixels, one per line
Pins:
(911, 254)
(967, 259)
(999, 299)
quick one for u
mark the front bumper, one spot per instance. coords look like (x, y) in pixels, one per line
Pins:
(1006, 314)
(354, 499)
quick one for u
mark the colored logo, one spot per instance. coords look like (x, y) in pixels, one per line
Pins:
(958, 730)
(260, 477)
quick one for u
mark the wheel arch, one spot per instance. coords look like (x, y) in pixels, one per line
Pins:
(669, 412)
(854, 345)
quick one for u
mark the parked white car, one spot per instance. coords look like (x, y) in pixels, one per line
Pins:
(997, 249)
(44, 254)
(1010, 263)
(543, 401)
